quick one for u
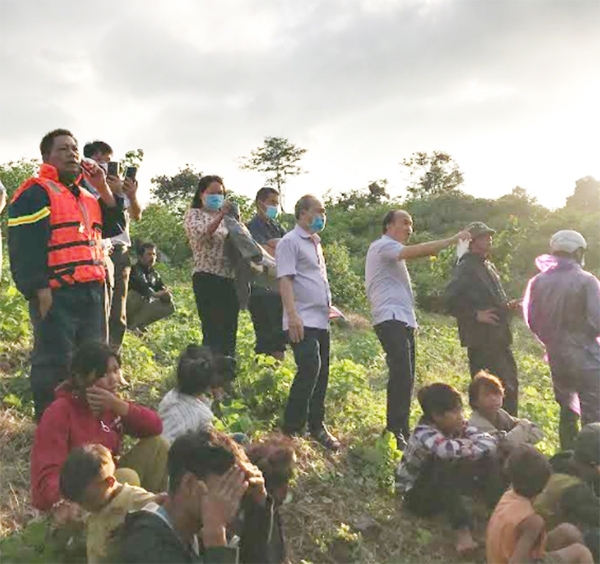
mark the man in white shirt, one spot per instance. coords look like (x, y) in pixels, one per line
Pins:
(306, 301)
(392, 306)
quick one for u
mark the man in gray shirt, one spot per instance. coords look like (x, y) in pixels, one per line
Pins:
(392, 306)
(306, 301)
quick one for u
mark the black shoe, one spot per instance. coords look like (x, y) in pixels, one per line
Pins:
(324, 437)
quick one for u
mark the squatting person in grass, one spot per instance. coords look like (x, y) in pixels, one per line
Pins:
(562, 307)
(265, 301)
(392, 305)
(87, 410)
(306, 297)
(476, 298)
(57, 262)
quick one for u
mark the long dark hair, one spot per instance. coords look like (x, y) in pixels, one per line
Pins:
(203, 184)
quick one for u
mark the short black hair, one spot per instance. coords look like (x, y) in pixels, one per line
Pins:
(91, 357)
(199, 369)
(90, 149)
(203, 184)
(48, 140)
(388, 219)
(528, 470)
(265, 192)
(437, 399)
(202, 454)
(303, 204)
(483, 380)
(82, 466)
(145, 246)
(275, 458)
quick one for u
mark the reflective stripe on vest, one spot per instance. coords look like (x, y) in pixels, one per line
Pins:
(74, 251)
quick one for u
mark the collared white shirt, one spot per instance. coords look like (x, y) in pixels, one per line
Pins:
(388, 284)
(300, 255)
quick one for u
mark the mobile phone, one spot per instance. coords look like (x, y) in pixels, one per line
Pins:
(131, 172)
(113, 168)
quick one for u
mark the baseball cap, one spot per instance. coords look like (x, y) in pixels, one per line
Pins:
(567, 241)
(587, 444)
(477, 228)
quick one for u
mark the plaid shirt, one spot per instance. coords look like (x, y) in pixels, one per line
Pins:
(428, 441)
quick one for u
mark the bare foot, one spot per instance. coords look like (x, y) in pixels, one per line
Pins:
(465, 542)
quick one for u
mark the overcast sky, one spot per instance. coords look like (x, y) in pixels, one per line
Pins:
(510, 88)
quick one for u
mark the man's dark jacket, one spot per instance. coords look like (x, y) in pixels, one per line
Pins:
(476, 285)
(146, 538)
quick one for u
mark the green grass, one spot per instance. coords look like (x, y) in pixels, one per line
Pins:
(334, 495)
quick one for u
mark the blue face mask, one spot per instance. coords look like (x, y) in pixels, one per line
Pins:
(317, 224)
(271, 211)
(214, 202)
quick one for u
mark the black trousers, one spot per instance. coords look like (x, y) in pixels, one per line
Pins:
(117, 320)
(307, 395)
(266, 310)
(218, 308)
(76, 316)
(501, 363)
(441, 485)
(398, 342)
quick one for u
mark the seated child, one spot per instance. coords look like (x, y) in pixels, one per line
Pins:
(445, 459)
(486, 395)
(187, 407)
(276, 459)
(88, 477)
(516, 533)
(89, 410)
(571, 494)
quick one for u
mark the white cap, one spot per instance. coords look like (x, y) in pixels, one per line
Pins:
(567, 241)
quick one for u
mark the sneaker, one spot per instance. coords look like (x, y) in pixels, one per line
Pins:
(324, 437)
(401, 443)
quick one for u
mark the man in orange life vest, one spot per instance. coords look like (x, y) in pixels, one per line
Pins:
(55, 227)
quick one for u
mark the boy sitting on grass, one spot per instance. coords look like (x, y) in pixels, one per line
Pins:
(516, 533)
(572, 493)
(187, 407)
(445, 459)
(486, 396)
(88, 478)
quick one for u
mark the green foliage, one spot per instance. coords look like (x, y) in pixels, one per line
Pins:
(347, 287)
(277, 158)
(133, 158)
(432, 174)
(176, 192)
(586, 197)
(163, 226)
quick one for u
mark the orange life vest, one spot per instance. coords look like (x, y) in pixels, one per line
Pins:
(74, 251)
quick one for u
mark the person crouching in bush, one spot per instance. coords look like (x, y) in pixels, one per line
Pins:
(486, 395)
(516, 533)
(87, 410)
(445, 459)
(89, 477)
(187, 407)
(276, 459)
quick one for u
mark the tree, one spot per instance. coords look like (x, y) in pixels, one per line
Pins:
(176, 192)
(432, 174)
(14, 173)
(586, 196)
(375, 194)
(133, 158)
(278, 159)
